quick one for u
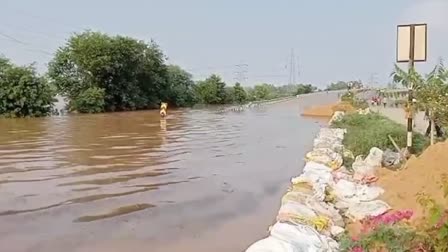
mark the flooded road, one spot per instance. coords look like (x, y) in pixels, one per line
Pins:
(197, 181)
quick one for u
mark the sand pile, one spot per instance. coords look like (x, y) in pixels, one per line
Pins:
(328, 110)
(422, 174)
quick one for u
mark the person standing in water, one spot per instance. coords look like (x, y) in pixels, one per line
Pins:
(163, 108)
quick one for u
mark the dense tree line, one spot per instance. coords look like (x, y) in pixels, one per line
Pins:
(97, 72)
(343, 85)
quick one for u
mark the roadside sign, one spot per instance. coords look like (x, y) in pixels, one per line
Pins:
(412, 43)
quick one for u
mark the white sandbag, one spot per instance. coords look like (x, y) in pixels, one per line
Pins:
(315, 177)
(361, 169)
(323, 209)
(272, 244)
(334, 133)
(299, 197)
(312, 166)
(359, 211)
(325, 156)
(318, 188)
(368, 166)
(353, 192)
(344, 189)
(337, 116)
(328, 143)
(336, 231)
(304, 238)
(374, 158)
(291, 208)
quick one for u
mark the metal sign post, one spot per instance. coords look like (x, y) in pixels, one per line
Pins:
(411, 48)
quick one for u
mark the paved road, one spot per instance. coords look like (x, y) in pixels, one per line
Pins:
(398, 115)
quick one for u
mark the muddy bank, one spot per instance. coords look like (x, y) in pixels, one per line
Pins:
(421, 174)
(327, 111)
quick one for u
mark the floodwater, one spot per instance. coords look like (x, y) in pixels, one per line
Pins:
(197, 181)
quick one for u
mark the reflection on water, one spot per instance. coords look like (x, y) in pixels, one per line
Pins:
(140, 176)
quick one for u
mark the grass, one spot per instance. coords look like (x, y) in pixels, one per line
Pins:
(367, 131)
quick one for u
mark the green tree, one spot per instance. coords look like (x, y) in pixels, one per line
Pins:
(22, 92)
(212, 90)
(408, 79)
(239, 94)
(181, 87)
(433, 94)
(262, 92)
(90, 100)
(340, 85)
(132, 73)
(305, 89)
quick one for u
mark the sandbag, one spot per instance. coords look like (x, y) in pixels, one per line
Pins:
(327, 210)
(352, 192)
(325, 156)
(368, 166)
(333, 133)
(362, 210)
(390, 158)
(304, 238)
(315, 177)
(312, 166)
(337, 116)
(303, 184)
(272, 244)
(299, 197)
(374, 158)
(296, 210)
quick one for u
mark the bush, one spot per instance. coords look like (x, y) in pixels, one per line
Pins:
(89, 101)
(22, 92)
(436, 225)
(367, 131)
(351, 98)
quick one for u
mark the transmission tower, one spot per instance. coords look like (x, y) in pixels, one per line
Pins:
(241, 72)
(292, 68)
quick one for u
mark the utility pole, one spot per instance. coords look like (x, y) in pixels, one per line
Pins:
(241, 72)
(411, 48)
(410, 88)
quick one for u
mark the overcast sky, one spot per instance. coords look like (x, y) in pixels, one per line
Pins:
(333, 40)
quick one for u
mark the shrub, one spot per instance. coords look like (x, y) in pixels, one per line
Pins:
(437, 216)
(90, 100)
(351, 98)
(387, 232)
(22, 92)
(372, 130)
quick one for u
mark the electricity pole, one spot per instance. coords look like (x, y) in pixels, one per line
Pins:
(411, 48)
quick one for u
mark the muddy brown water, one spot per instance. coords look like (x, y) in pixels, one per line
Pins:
(196, 181)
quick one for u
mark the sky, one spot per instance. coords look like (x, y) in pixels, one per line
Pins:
(332, 40)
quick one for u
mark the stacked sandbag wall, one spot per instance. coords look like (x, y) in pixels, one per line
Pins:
(321, 200)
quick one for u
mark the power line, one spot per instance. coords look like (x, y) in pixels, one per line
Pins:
(46, 19)
(15, 40)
